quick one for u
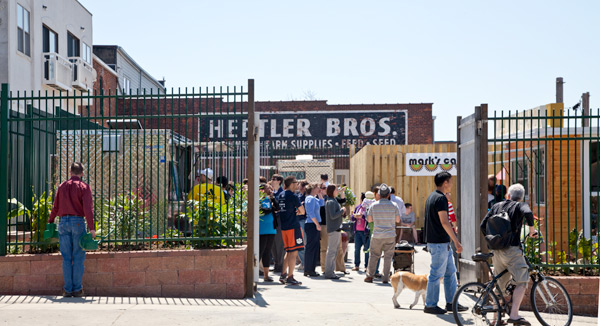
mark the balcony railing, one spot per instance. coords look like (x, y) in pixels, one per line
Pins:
(84, 74)
(57, 71)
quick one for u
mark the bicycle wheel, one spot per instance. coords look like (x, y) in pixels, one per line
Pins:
(551, 303)
(479, 311)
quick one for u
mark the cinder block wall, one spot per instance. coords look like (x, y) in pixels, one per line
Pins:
(583, 291)
(211, 273)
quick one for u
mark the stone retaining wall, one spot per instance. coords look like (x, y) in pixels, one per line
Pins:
(210, 273)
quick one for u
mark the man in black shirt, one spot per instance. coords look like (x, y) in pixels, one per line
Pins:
(511, 258)
(438, 235)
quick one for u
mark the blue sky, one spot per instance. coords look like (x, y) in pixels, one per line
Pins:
(456, 54)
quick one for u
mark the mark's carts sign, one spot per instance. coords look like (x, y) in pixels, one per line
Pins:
(314, 130)
(430, 164)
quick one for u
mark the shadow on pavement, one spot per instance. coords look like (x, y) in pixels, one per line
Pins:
(32, 299)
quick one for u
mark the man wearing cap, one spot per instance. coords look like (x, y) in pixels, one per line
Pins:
(207, 189)
(73, 201)
(384, 214)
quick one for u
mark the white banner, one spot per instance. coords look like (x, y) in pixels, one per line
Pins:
(430, 164)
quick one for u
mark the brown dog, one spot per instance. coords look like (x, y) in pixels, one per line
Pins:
(417, 283)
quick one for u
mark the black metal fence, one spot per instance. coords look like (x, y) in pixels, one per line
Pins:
(555, 155)
(142, 156)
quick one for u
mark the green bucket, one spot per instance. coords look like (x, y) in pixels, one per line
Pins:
(51, 233)
(88, 243)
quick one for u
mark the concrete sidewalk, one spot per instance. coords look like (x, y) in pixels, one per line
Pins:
(348, 301)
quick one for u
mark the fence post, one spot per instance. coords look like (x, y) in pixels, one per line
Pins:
(252, 173)
(481, 115)
(3, 168)
(457, 205)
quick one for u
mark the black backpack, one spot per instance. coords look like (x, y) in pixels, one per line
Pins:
(498, 231)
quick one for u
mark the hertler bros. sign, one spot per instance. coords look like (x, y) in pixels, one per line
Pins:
(315, 130)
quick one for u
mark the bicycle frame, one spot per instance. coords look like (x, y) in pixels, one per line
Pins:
(534, 273)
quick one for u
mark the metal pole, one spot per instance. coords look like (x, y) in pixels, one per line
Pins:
(482, 136)
(3, 168)
(559, 89)
(586, 108)
(252, 173)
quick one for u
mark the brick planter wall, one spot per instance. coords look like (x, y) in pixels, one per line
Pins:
(211, 273)
(583, 291)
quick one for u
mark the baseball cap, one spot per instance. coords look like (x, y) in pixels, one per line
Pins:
(369, 195)
(384, 190)
(208, 173)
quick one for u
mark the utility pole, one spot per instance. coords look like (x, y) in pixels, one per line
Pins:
(559, 90)
(585, 99)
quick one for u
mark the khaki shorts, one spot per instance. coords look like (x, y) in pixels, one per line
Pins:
(512, 259)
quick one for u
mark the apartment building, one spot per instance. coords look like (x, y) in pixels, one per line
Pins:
(46, 45)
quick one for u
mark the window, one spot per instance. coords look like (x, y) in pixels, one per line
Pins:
(87, 53)
(539, 164)
(520, 174)
(23, 37)
(50, 40)
(72, 46)
(126, 86)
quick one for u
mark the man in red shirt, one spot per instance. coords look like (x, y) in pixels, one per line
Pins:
(73, 201)
(451, 215)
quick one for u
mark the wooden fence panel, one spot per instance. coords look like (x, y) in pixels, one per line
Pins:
(373, 165)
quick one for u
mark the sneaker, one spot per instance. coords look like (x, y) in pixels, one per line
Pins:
(356, 269)
(292, 281)
(460, 307)
(282, 278)
(434, 310)
(78, 294)
(368, 279)
(66, 294)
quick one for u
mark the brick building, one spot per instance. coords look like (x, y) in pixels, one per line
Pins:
(289, 128)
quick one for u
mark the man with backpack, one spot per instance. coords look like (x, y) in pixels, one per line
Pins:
(501, 227)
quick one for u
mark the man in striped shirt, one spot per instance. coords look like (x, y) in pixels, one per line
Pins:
(451, 215)
(384, 214)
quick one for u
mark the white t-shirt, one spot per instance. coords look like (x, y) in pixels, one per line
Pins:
(400, 203)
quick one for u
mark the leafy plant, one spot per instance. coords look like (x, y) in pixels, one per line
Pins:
(218, 223)
(350, 197)
(125, 217)
(39, 215)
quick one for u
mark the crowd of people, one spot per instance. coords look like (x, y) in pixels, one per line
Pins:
(301, 224)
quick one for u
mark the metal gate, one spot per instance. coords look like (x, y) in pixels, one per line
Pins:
(472, 181)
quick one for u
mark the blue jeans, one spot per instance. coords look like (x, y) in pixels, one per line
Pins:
(70, 230)
(360, 240)
(301, 253)
(442, 265)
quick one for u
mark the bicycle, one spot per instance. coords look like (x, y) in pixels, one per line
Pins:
(486, 304)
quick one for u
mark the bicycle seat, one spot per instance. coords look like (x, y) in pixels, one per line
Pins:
(480, 256)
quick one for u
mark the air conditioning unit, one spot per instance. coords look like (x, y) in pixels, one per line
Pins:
(84, 75)
(58, 72)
